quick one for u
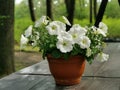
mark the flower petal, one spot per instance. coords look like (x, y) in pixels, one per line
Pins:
(84, 42)
(66, 20)
(28, 31)
(102, 57)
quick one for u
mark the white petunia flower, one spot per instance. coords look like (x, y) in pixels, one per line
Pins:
(62, 26)
(84, 42)
(102, 57)
(66, 20)
(94, 28)
(28, 31)
(34, 43)
(77, 28)
(23, 41)
(64, 45)
(55, 27)
(65, 35)
(76, 32)
(42, 20)
(89, 52)
(37, 35)
(102, 29)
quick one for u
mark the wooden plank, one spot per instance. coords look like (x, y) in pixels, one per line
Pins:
(86, 84)
(38, 82)
(21, 82)
(112, 66)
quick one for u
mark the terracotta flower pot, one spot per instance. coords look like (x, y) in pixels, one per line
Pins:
(67, 72)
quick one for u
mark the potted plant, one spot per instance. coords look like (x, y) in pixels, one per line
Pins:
(66, 50)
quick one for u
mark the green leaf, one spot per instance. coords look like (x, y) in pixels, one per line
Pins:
(66, 56)
(56, 54)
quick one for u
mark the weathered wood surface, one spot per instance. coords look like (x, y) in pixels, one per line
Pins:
(38, 82)
(98, 76)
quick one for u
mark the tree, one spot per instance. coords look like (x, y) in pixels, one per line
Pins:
(95, 9)
(70, 6)
(101, 12)
(90, 11)
(31, 8)
(49, 8)
(6, 36)
(119, 2)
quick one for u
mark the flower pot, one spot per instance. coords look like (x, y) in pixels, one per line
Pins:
(67, 72)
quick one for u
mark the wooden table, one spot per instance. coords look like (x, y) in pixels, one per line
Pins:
(98, 76)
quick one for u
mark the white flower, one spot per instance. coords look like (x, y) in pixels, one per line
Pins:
(34, 43)
(89, 52)
(23, 41)
(84, 42)
(62, 26)
(102, 57)
(76, 32)
(102, 29)
(77, 28)
(64, 45)
(94, 28)
(64, 35)
(55, 27)
(66, 20)
(28, 31)
(37, 35)
(42, 20)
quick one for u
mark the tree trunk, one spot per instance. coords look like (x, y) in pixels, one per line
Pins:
(6, 36)
(119, 2)
(70, 6)
(32, 13)
(90, 11)
(95, 9)
(101, 12)
(49, 9)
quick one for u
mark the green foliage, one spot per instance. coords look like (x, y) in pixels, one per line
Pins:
(22, 10)
(82, 22)
(81, 11)
(59, 9)
(113, 9)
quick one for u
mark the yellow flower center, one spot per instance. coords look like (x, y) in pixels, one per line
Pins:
(74, 35)
(54, 27)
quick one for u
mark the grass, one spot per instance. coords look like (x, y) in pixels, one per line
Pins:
(113, 27)
(26, 49)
